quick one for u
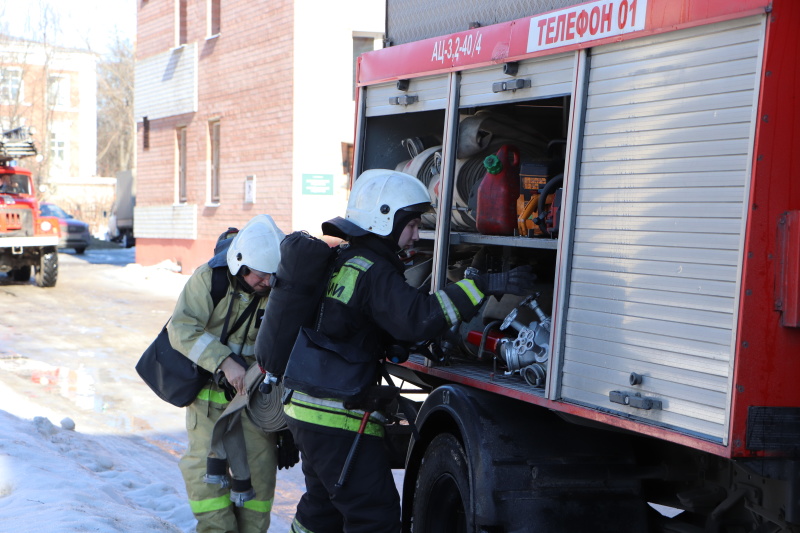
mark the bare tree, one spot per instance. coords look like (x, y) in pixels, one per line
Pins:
(25, 65)
(116, 139)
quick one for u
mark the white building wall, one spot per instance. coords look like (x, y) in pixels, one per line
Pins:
(324, 110)
(87, 114)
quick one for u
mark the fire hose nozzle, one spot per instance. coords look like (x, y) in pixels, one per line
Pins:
(270, 380)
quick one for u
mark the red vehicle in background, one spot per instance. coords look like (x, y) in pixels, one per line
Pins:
(28, 241)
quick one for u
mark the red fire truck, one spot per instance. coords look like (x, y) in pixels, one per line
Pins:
(28, 241)
(653, 148)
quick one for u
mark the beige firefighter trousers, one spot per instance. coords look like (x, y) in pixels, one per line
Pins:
(211, 504)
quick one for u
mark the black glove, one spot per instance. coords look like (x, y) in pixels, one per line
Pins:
(517, 281)
(288, 454)
(227, 388)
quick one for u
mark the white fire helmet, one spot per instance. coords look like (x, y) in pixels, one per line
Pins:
(378, 194)
(257, 246)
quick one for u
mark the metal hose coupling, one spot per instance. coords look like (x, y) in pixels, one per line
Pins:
(242, 491)
(217, 472)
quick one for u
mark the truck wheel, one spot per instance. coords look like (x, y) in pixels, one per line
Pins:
(80, 250)
(441, 500)
(47, 271)
(21, 274)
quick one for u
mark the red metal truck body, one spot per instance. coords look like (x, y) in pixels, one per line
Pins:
(28, 241)
(759, 413)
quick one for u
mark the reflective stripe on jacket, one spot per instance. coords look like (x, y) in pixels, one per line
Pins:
(368, 301)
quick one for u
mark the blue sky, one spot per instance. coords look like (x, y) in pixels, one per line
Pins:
(92, 24)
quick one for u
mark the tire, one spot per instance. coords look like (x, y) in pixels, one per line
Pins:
(47, 271)
(80, 250)
(441, 500)
(21, 274)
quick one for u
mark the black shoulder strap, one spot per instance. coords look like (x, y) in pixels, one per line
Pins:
(246, 315)
(219, 284)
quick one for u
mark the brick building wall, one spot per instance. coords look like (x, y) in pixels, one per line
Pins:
(71, 115)
(244, 81)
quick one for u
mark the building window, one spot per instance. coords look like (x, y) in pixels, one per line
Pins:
(10, 84)
(145, 133)
(182, 15)
(182, 161)
(360, 45)
(215, 16)
(59, 149)
(214, 174)
(58, 91)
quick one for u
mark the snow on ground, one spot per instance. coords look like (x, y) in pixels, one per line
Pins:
(62, 471)
(59, 475)
(58, 480)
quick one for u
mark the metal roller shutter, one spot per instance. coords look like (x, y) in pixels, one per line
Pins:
(422, 94)
(546, 77)
(659, 224)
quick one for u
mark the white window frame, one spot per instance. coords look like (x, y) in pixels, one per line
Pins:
(181, 23)
(213, 30)
(181, 165)
(59, 149)
(62, 93)
(214, 188)
(7, 87)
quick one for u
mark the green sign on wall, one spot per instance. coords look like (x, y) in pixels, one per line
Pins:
(317, 183)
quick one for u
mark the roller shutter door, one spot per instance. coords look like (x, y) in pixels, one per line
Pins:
(421, 94)
(658, 229)
(539, 78)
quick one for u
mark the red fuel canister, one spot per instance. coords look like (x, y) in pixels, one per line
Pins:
(498, 193)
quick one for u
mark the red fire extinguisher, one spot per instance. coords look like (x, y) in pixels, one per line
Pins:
(498, 193)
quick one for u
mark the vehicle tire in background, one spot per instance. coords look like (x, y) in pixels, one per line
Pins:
(21, 273)
(80, 250)
(128, 241)
(47, 271)
(441, 501)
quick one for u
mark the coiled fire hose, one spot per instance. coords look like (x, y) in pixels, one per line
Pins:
(228, 447)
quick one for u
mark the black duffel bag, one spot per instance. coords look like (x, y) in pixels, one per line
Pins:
(323, 368)
(171, 375)
(175, 378)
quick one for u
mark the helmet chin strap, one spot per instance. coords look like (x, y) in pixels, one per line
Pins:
(243, 285)
(401, 220)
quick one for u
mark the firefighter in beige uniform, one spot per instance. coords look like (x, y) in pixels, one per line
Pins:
(195, 330)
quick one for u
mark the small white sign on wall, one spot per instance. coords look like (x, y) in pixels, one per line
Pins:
(250, 189)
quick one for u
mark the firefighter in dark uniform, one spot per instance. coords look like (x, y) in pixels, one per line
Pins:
(368, 303)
